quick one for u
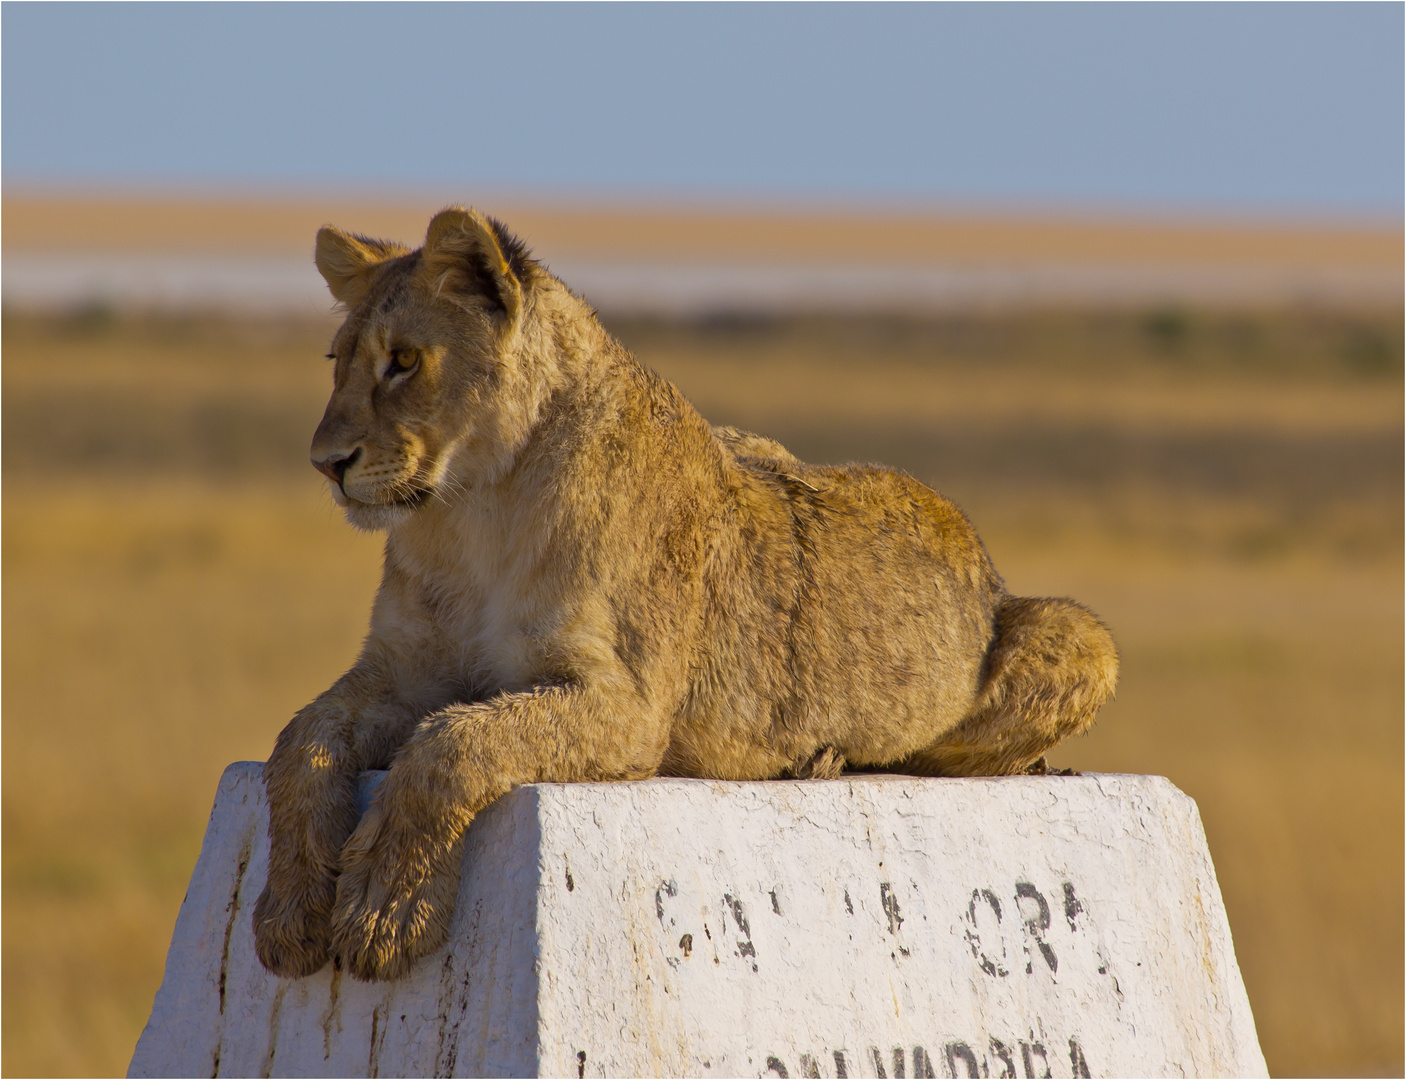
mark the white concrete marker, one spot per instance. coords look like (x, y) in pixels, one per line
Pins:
(875, 926)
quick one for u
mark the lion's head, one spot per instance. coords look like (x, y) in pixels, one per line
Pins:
(432, 388)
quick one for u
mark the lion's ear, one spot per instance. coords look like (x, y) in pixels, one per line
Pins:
(346, 262)
(470, 254)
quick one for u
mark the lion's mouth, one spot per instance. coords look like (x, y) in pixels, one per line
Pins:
(411, 499)
(404, 500)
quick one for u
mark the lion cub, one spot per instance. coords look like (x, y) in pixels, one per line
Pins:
(585, 581)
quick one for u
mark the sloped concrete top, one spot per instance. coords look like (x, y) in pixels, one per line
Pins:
(869, 926)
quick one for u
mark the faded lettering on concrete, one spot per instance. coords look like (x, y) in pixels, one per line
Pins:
(874, 927)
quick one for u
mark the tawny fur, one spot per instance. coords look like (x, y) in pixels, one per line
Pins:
(584, 581)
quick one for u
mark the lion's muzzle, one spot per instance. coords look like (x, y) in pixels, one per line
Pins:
(335, 465)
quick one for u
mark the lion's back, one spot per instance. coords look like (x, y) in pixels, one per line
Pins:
(906, 596)
(876, 610)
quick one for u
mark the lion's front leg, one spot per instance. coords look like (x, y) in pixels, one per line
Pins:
(395, 896)
(310, 783)
(400, 869)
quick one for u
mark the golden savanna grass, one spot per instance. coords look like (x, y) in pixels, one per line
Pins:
(1225, 490)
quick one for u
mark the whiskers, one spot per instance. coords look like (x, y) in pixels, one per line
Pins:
(450, 490)
(405, 492)
(411, 491)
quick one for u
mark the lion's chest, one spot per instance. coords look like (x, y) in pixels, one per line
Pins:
(497, 616)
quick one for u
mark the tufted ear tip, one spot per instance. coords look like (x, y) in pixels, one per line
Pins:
(469, 254)
(449, 221)
(346, 261)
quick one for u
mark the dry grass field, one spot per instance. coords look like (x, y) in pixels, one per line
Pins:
(1225, 489)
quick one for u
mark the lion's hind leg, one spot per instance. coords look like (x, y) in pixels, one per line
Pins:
(1051, 665)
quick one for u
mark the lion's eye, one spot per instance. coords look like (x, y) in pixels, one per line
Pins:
(402, 362)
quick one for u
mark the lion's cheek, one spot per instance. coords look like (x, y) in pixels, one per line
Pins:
(409, 453)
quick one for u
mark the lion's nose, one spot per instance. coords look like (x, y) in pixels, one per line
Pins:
(335, 466)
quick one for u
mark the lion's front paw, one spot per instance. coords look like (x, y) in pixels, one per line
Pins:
(395, 899)
(290, 936)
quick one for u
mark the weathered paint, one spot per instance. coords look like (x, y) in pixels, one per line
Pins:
(874, 926)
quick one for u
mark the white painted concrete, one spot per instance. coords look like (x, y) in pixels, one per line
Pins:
(874, 926)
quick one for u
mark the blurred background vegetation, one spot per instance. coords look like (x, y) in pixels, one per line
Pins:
(1224, 486)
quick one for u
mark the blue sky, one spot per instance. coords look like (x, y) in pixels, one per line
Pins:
(1260, 108)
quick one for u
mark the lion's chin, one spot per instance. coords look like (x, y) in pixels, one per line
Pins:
(376, 518)
(379, 517)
